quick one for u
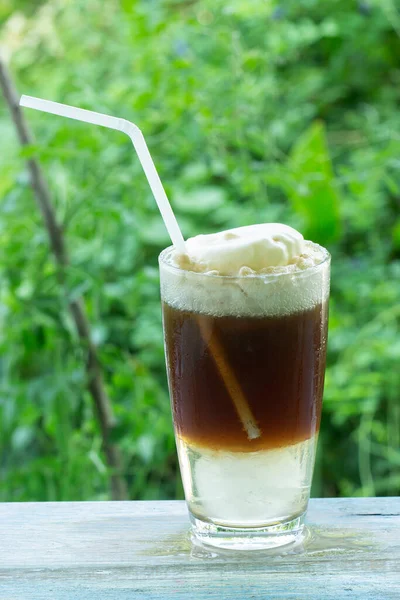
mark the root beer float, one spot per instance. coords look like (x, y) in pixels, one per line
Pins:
(245, 320)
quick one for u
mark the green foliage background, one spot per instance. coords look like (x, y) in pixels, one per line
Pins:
(253, 111)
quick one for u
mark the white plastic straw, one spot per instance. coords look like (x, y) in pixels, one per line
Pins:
(230, 380)
(139, 143)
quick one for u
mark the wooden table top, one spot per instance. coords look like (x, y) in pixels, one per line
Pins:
(129, 550)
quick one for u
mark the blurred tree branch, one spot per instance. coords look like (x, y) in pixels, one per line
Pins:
(101, 401)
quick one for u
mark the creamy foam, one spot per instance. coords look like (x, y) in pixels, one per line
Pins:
(260, 270)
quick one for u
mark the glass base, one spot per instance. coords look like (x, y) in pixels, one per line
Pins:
(247, 538)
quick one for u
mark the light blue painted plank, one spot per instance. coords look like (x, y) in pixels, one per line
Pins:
(116, 551)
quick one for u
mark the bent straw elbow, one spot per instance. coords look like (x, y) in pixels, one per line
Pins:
(130, 129)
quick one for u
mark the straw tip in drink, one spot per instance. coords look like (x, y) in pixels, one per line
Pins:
(253, 432)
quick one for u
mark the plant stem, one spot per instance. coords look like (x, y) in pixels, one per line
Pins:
(101, 402)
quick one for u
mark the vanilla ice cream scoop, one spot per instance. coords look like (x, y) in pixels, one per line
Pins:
(255, 247)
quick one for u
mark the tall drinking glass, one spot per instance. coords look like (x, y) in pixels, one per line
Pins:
(246, 360)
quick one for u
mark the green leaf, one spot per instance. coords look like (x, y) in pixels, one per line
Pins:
(200, 201)
(396, 235)
(311, 187)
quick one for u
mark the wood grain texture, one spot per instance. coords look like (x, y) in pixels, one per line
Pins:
(129, 550)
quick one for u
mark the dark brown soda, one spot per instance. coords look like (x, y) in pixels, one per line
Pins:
(279, 363)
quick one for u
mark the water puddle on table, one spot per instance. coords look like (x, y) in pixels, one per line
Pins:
(316, 542)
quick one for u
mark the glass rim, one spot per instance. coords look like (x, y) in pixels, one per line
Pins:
(162, 261)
